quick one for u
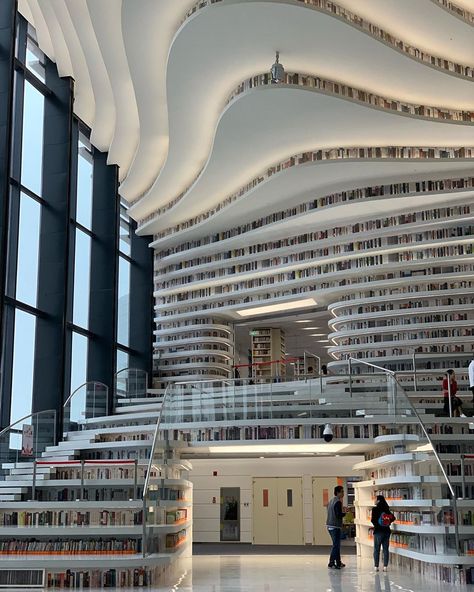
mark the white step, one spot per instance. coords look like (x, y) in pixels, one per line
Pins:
(59, 455)
(138, 408)
(140, 401)
(11, 497)
(11, 490)
(28, 477)
(40, 470)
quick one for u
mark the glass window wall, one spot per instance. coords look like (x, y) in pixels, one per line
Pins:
(82, 264)
(32, 139)
(123, 316)
(28, 250)
(23, 365)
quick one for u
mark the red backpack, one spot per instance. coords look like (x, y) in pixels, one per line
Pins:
(386, 518)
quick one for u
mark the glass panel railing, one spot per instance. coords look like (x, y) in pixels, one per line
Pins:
(88, 401)
(25, 440)
(167, 498)
(341, 396)
(428, 512)
(131, 385)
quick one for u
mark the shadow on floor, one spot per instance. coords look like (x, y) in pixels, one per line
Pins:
(249, 549)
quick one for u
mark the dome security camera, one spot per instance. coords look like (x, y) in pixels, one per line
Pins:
(327, 433)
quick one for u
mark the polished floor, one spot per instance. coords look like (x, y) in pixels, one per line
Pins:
(280, 573)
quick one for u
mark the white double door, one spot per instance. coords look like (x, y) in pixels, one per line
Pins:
(278, 511)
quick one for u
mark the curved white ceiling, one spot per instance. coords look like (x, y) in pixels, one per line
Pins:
(224, 61)
(147, 35)
(268, 124)
(102, 128)
(294, 186)
(422, 23)
(121, 53)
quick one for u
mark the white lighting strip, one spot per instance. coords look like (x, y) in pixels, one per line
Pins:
(248, 312)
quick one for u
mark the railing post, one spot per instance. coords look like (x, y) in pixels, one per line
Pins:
(144, 532)
(33, 487)
(450, 403)
(415, 386)
(82, 479)
(456, 527)
(349, 364)
(135, 481)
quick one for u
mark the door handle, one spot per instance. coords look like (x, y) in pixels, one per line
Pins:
(280, 514)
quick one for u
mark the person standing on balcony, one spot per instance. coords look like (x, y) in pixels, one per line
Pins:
(334, 526)
(450, 388)
(471, 377)
(381, 518)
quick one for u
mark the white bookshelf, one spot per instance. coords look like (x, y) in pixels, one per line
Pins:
(424, 534)
(99, 535)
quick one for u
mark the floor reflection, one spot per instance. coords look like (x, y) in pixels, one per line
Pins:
(293, 573)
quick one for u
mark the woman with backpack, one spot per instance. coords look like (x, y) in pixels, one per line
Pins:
(381, 518)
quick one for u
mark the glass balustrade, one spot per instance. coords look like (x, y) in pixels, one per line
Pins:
(88, 401)
(25, 440)
(131, 385)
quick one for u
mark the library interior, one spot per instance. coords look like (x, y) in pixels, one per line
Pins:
(237, 295)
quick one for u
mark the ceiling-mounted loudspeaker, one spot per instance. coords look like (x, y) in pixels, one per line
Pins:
(278, 71)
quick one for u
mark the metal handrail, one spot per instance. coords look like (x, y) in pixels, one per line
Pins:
(9, 427)
(149, 468)
(81, 386)
(350, 360)
(155, 439)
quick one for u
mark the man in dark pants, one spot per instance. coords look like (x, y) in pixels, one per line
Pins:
(334, 526)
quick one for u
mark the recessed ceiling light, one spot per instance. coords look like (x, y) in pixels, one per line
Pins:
(317, 334)
(306, 321)
(248, 312)
(322, 340)
(310, 328)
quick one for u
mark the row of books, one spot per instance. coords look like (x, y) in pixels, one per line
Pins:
(167, 494)
(114, 472)
(380, 225)
(125, 437)
(454, 469)
(296, 432)
(391, 152)
(377, 244)
(357, 94)
(394, 494)
(353, 280)
(175, 539)
(93, 493)
(397, 470)
(442, 517)
(443, 573)
(360, 273)
(454, 317)
(81, 546)
(72, 518)
(330, 271)
(94, 578)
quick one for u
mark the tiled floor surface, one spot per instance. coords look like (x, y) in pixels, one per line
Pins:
(292, 573)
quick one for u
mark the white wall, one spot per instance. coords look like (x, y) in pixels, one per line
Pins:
(239, 473)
